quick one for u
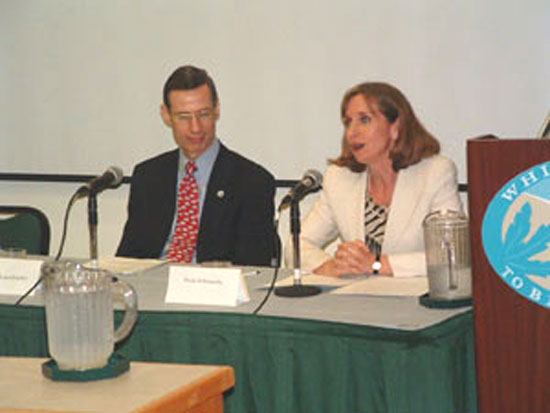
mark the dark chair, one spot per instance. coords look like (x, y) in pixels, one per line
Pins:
(24, 227)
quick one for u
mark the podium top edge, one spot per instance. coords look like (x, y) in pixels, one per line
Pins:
(493, 138)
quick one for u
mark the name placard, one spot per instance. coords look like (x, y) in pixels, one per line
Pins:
(206, 286)
(18, 275)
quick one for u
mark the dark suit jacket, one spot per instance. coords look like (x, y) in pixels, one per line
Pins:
(236, 220)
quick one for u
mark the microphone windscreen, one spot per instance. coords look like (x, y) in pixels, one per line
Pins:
(117, 174)
(315, 176)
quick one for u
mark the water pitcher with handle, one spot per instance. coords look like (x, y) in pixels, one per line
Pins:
(80, 314)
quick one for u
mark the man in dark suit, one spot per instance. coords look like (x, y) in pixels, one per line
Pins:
(235, 194)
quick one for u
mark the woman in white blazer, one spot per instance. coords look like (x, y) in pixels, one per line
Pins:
(376, 194)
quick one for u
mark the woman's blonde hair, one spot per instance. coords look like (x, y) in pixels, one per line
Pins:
(413, 142)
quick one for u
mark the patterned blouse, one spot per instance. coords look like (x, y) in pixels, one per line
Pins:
(376, 217)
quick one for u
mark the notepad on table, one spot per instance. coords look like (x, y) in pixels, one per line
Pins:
(386, 286)
(126, 265)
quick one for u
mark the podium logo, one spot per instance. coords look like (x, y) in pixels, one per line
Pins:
(516, 234)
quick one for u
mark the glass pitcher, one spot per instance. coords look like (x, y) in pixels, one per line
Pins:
(448, 259)
(80, 314)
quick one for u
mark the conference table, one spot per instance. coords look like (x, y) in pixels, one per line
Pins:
(325, 353)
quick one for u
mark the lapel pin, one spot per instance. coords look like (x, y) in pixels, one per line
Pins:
(220, 194)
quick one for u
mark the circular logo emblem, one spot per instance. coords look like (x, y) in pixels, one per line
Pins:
(516, 234)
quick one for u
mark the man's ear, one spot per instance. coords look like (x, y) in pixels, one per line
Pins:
(165, 115)
(217, 110)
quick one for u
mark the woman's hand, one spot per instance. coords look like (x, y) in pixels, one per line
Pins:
(328, 268)
(353, 258)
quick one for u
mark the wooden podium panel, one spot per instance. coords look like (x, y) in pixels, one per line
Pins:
(512, 332)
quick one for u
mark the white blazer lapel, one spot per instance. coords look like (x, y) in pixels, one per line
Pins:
(352, 212)
(401, 209)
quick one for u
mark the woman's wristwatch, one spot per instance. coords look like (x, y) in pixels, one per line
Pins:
(376, 249)
(376, 266)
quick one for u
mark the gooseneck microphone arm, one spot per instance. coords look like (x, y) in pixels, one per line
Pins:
(310, 182)
(295, 231)
(297, 289)
(111, 178)
(92, 224)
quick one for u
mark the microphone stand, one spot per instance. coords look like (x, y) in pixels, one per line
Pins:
(92, 225)
(297, 289)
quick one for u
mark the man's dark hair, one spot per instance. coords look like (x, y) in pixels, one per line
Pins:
(186, 78)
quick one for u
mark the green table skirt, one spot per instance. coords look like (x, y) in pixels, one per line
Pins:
(291, 365)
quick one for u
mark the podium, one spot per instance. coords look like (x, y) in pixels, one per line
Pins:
(512, 329)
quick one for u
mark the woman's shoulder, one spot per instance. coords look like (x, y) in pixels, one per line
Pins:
(338, 175)
(434, 164)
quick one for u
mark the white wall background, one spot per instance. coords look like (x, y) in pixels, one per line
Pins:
(81, 80)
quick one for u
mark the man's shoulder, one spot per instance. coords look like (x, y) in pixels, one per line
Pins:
(242, 164)
(160, 161)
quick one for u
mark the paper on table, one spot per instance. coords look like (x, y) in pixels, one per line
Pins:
(388, 286)
(125, 265)
(314, 279)
(18, 275)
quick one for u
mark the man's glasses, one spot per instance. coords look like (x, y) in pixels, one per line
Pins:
(201, 115)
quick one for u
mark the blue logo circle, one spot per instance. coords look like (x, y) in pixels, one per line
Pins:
(516, 234)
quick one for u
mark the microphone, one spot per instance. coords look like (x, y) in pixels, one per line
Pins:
(310, 182)
(111, 178)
